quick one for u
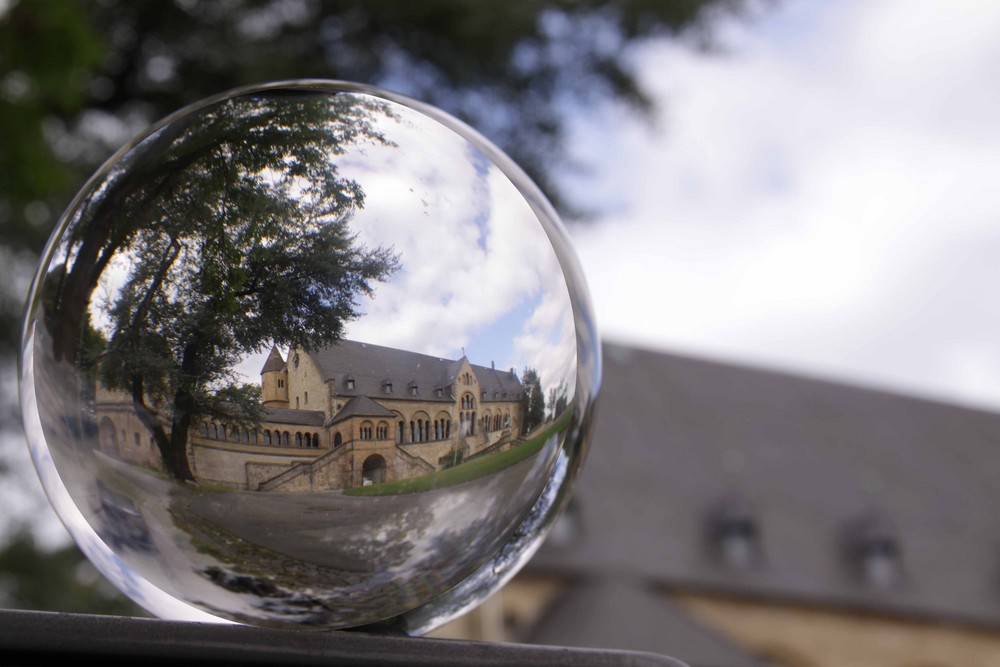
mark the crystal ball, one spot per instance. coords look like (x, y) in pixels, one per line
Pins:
(310, 355)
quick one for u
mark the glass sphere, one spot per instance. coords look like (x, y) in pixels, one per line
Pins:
(309, 354)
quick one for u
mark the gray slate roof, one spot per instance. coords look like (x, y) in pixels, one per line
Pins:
(292, 416)
(818, 467)
(274, 361)
(361, 406)
(372, 365)
(591, 614)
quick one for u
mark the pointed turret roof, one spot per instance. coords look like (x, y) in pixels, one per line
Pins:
(275, 362)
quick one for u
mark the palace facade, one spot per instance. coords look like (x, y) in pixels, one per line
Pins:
(343, 416)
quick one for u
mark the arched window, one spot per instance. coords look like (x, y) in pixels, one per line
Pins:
(284, 438)
(315, 440)
(222, 431)
(400, 430)
(256, 436)
(338, 440)
(267, 436)
(298, 439)
(413, 431)
(306, 396)
(382, 432)
(366, 430)
(204, 429)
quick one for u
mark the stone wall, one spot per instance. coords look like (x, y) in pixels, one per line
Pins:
(230, 463)
(431, 452)
(790, 634)
(306, 388)
(122, 435)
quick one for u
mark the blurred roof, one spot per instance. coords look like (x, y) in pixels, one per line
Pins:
(714, 477)
(588, 616)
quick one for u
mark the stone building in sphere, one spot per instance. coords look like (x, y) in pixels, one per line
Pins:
(354, 414)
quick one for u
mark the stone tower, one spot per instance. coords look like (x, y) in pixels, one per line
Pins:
(274, 381)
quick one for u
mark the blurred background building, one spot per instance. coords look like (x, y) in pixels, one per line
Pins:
(730, 516)
(803, 187)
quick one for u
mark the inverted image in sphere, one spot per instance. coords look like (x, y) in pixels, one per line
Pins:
(309, 354)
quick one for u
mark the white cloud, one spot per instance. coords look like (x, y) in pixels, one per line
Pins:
(477, 270)
(811, 199)
(473, 255)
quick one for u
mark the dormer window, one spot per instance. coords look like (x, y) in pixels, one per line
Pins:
(439, 392)
(413, 389)
(496, 395)
(734, 534)
(387, 387)
(349, 382)
(483, 396)
(874, 552)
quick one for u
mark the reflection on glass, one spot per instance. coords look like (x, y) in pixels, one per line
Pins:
(308, 355)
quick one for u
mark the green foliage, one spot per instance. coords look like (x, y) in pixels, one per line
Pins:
(558, 399)
(532, 399)
(60, 580)
(235, 239)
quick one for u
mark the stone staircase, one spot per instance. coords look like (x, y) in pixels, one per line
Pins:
(300, 469)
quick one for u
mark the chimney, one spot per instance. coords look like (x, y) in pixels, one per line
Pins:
(492, 366)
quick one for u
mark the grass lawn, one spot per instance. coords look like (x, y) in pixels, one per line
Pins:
(467, 471)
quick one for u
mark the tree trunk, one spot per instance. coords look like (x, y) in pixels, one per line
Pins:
(174, 459)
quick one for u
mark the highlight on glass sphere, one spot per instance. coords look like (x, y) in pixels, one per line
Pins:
(309, 354)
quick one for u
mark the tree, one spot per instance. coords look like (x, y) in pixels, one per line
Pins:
(234, 238)
(532, 399)
(558, 399)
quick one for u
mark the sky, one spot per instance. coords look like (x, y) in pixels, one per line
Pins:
(477, 273)
(816, 194)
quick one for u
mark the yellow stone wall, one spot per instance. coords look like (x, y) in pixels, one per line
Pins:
(226, 462)
(800, 636)
(306, 388)
(273, 396)
(122, 434)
